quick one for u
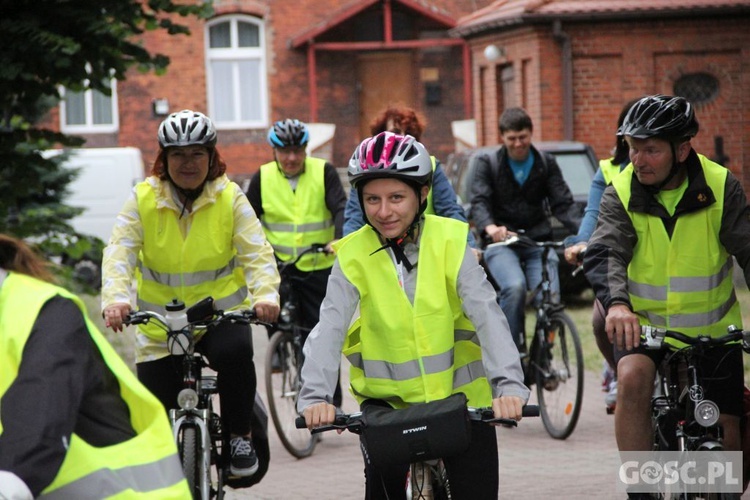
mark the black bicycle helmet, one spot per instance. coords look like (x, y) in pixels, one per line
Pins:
(668, 117)
(187, 128)
(289, 132)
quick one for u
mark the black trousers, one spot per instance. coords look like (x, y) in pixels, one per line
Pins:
(229, 350)
(472, 474)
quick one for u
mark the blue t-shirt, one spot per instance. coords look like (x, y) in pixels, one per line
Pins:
(521, 169)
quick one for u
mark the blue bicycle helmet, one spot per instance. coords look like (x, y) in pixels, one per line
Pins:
(289, 132)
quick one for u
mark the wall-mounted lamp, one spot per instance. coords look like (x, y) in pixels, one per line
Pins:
(492, 52)
(160, 106)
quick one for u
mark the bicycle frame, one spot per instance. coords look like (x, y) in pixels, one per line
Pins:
(195, 410)
(554, 362)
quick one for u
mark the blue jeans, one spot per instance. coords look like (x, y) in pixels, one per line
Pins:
(516, 270)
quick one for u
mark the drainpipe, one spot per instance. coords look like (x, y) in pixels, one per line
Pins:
(567, 78)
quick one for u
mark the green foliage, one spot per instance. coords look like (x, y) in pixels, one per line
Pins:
(80, 45)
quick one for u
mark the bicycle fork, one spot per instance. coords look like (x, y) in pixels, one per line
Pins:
(197, 418)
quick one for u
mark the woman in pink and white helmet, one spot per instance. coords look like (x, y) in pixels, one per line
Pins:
(412, 328)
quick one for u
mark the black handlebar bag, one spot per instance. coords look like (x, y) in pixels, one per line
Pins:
(425, 431)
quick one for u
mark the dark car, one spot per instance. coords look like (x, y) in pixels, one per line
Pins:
(578, 164)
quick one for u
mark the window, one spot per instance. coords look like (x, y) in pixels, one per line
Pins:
(89, 111)
(698, 88)
(236, 71)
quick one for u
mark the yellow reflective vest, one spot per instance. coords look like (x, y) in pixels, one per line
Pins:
(404, 353)
(682, 283)
(145, 466)
(294, 220)
(609, 171)
(430, 204)
(203, 263)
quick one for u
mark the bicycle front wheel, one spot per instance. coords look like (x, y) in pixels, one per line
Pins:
(283, 364)
(558, 367)
(189, 447)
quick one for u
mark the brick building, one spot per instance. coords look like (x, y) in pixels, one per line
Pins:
(322, 61)
(571, 63)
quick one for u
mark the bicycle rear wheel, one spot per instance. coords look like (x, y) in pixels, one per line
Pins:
(282, 388)
(558, 367)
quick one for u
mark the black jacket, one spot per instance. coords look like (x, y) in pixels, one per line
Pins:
(497, 198)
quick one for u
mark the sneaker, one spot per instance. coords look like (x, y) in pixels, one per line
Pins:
(610, 400)
(608, 375)
(244, 461)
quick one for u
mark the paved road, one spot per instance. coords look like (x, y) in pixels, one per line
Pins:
(532, 465)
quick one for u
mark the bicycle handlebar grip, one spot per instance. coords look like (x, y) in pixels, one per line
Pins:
(300, 423)
(530, 411)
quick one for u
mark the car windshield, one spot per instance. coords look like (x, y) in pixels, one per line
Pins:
(575, 170)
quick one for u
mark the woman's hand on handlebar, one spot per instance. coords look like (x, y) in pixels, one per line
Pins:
(267, 312)
(508, 407)
(572, 253)
(114, 315)
(319, 414)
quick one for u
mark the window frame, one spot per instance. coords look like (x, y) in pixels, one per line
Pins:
(234, 54)
(89, 127)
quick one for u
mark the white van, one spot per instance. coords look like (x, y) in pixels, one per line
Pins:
(106, 177)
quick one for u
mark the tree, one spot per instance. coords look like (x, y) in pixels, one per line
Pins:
(80, 45)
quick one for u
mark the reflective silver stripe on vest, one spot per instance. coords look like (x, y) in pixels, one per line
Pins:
(290, 250)
(410, 369)
(383, 369)
(681, 284)
(300, 228)
(225, 303)
(468, 373)
(466, 335)
(694, 320)
(104, 483)
(438, 362)
(174, 280)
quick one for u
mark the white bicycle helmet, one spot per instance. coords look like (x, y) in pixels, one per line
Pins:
(187, 128)
(389, 155)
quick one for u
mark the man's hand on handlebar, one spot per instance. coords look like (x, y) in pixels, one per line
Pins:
(267, 312)
(623, 327)
(498, 233)
(114, 315)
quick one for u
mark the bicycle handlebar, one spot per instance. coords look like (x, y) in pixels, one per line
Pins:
(521, 240)
(653, 338)
(353, 421)
(313, 248)
(242, 316)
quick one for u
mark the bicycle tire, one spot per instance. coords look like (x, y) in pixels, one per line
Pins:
(559, 373)
(190, 458)
(282, 389)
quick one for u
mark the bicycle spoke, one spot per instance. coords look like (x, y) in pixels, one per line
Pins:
(282, 388)
(558, 366)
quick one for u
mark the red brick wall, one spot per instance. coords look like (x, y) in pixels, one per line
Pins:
(184, 84)
(615, 62)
